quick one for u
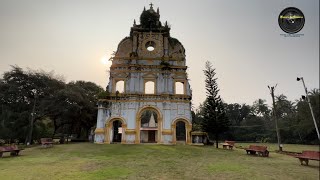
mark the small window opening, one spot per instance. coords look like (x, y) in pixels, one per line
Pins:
(120, 86)
(179, 87)
(149, 87)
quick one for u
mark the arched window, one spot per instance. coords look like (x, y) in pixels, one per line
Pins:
(179, 87)
(149, 125)
(149, 87)
(149, 118)
(120, 86)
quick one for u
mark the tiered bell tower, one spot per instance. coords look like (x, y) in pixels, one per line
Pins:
(148, 84)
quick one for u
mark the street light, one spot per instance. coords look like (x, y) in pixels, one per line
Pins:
(308, 100)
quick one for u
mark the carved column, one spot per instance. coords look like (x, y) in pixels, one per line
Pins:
(123, 136)
(135, 44)
(174, 139)
(165, 47)
(188, 132)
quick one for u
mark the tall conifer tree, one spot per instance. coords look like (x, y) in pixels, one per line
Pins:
(215, 120)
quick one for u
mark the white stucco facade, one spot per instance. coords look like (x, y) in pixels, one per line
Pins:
(135, 66)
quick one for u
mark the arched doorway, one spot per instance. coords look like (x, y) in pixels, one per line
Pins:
(181, 131)
(116, 131)
(148, 125)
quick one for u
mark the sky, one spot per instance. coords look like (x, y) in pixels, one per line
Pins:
(242, 39)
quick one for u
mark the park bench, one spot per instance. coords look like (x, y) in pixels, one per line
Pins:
(13, 149)
(308, 155)
(261, 150)
(46, 142)
(228, 144)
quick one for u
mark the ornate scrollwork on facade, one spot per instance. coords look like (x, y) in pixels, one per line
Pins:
(154, 40)
(149, 56)
(124, 48)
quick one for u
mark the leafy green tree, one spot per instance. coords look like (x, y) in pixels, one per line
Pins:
(214, 120)
(73, 109)
(55, 106)
(305, 126)
(260, 108)
(21, 94)
(236, 113)
(197, 118)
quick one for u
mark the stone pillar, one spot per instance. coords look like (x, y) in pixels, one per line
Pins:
(170, 85)
(173, 129)
(99, 132)
(135, 40)
(188, 133)
(165, 47)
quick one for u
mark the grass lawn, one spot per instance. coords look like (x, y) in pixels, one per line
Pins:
(116, 161)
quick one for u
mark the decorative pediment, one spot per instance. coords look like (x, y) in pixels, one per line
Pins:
(150, 76)
(179, 76)
(119, 75)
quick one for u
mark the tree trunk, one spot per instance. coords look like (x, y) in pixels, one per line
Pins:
(217, 140)
(55, 127)
(4, 117)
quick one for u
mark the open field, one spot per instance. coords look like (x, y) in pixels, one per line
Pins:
(116, 161)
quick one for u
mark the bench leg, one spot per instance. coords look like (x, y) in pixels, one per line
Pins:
(301, 161)
(305, 160)
(17, 152)
(263, 154)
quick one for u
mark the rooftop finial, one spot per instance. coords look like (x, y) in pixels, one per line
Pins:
(144, 8)
(151, 6)
(158, 11)
(134, 22)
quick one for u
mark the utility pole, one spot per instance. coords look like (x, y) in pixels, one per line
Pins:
(308, 100)
(275, 116)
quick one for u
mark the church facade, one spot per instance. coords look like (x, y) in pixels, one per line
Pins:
(148, 97)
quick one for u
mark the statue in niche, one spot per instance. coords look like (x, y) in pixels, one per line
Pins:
(149, 118)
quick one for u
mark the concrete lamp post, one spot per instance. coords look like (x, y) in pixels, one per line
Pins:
(308, 100)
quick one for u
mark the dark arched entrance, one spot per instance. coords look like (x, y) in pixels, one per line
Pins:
(181, 131)
(116, 134)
